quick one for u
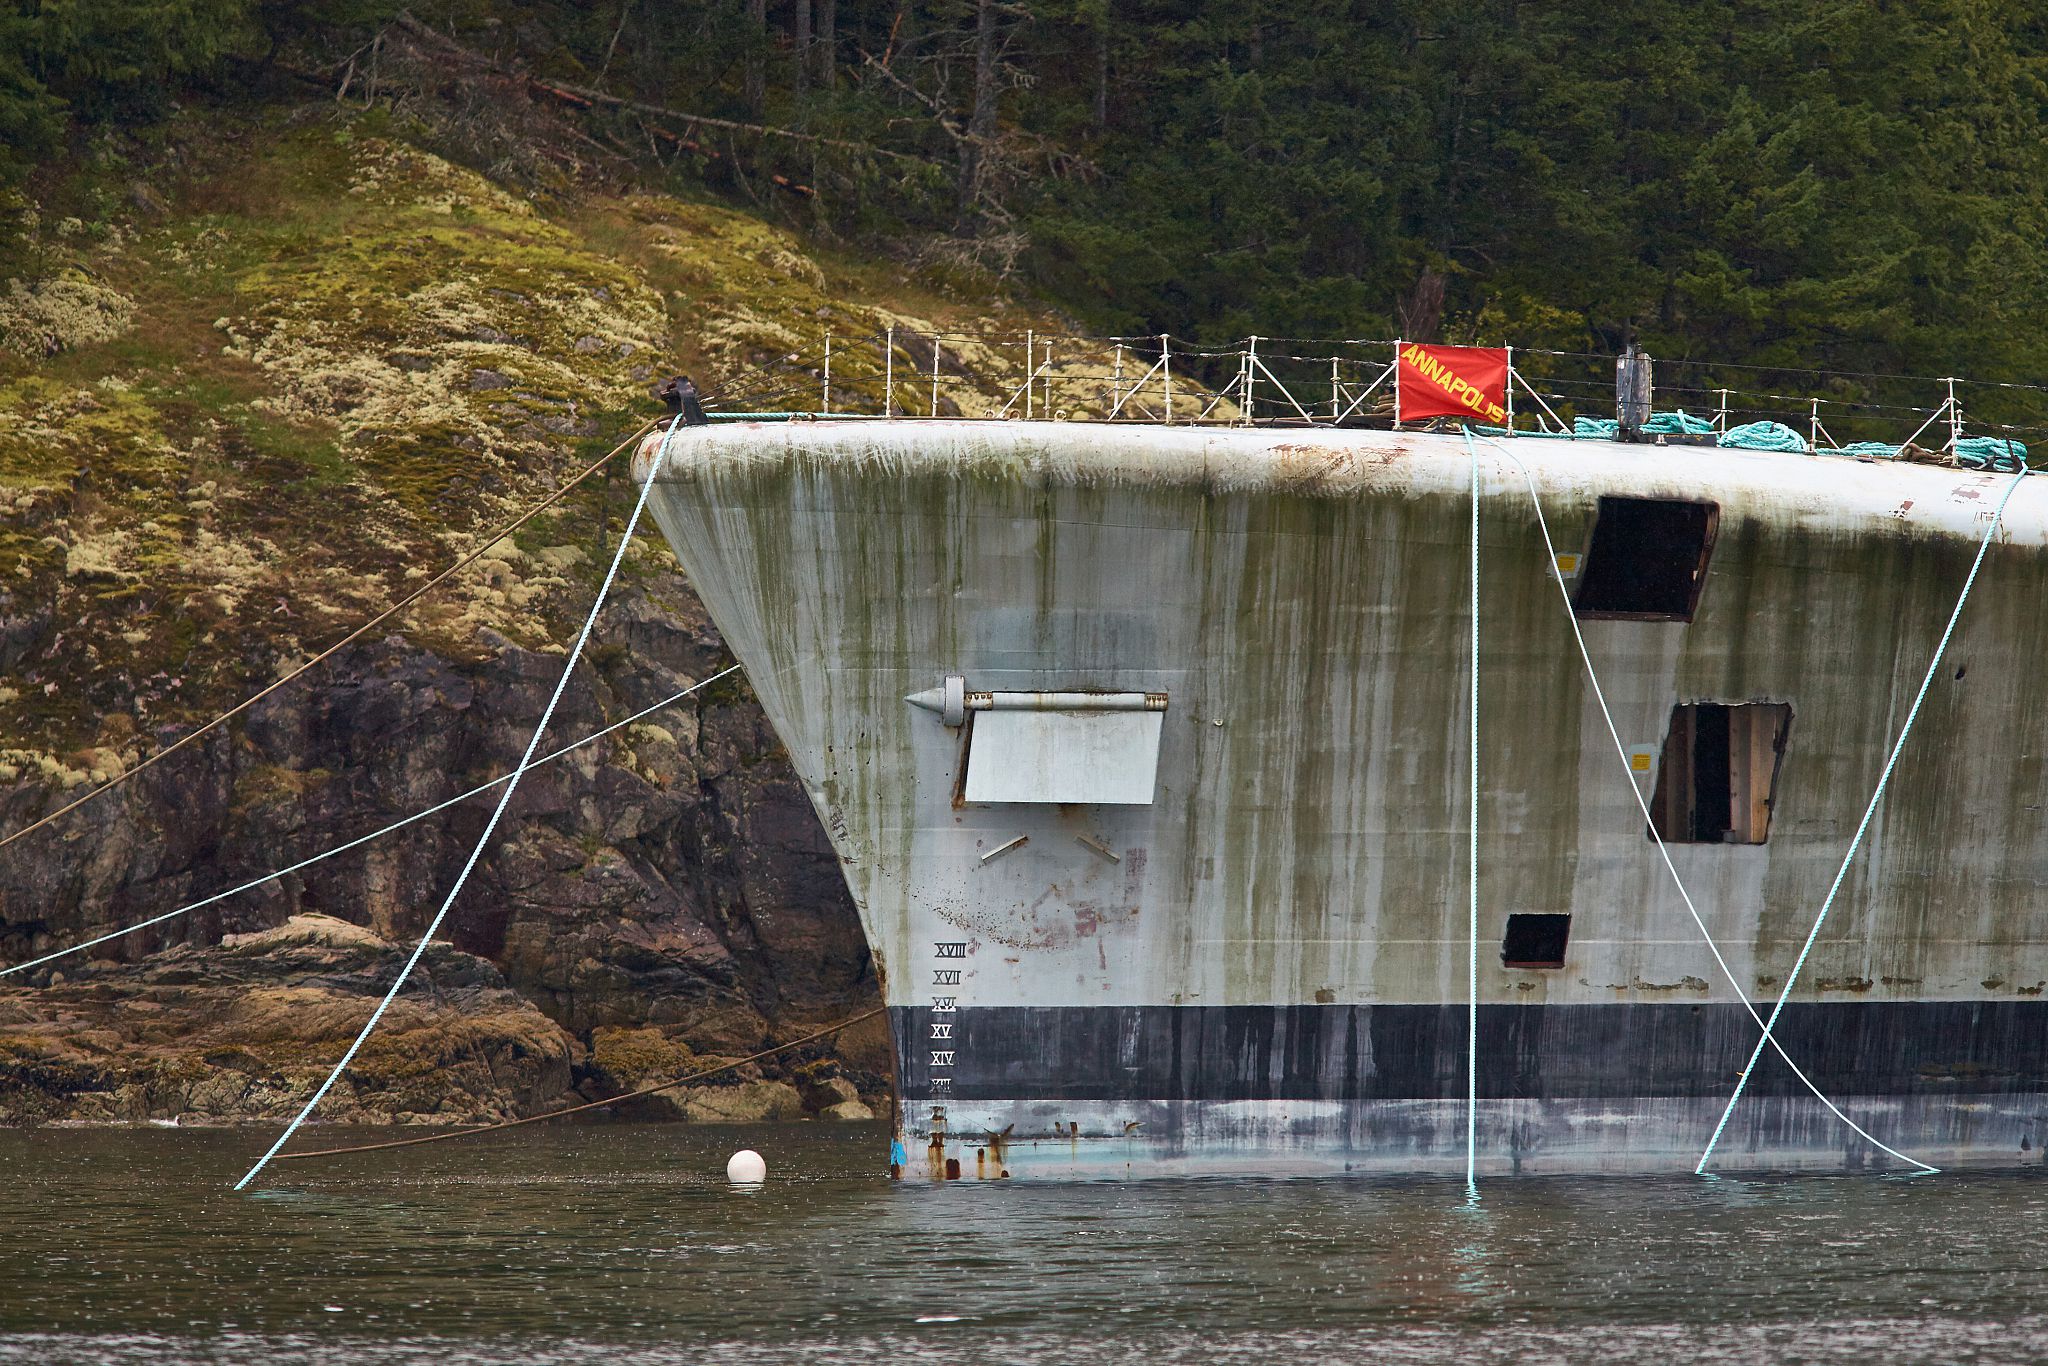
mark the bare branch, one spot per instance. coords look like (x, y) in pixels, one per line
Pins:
(583, 97)
(945, 120)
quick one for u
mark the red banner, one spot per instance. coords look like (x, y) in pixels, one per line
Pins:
(1452, 381)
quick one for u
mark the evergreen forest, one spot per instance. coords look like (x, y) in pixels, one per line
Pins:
(1856, 186)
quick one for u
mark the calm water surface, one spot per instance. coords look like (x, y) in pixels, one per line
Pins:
(624, 1246)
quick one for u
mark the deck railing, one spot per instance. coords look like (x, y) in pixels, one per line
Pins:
(1278, 381)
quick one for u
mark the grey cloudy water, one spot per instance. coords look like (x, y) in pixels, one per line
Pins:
(623, 1245)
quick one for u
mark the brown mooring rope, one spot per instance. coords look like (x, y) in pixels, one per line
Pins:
(847, 1023)
(492, 538)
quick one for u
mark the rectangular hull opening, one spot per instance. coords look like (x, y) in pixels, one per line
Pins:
(1648, 559)
(1719, 774)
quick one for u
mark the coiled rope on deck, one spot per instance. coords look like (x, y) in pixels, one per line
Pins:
(492, 538)
(471, 1132)
(1763, 436)
(504, 800)
(1676, 422)
(362, 840)
(1870, 810)
(1663, 851)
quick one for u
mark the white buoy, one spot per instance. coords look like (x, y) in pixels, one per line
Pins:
(746, 1168)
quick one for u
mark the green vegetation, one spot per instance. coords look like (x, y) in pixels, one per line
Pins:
(295, 297)
(1813, 184)
(1785, 184)
(256, 399)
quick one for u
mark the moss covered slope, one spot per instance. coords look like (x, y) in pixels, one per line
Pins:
(300, 364)
(260, 389)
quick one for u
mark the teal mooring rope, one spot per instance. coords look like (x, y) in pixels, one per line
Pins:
(1472, 868)
(1663, 851)
(1870, 810)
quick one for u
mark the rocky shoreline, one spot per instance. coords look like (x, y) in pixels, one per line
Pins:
(652, 905)
(246, 1029)
(284, 409)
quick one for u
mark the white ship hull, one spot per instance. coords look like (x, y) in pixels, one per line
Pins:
(1264, 966)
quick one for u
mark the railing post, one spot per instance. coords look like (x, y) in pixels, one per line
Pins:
(825, 405)
(935, 374)
(1245, 363)
(1116, 381)
(889, 372)
(1955, 419)
(1722, 420)
(1510, 387)
(1333, 391)
(1166, 369)
(1030, 371)
(1813, 430)
(1397, 383)
(1046, 366)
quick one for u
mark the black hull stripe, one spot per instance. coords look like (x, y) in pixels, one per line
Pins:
(1408, 1052)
